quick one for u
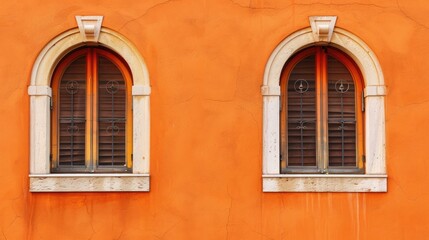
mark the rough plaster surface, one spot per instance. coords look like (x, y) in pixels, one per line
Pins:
(206, 60)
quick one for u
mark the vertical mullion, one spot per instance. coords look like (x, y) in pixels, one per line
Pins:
(324, 80)
(94, 131)
(322, 110)
(88, 112)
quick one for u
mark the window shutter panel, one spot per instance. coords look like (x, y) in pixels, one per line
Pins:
(111, 114)
(341, 115)
(301, 114)
(72, 104)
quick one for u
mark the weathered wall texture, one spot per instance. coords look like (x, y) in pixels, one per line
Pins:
(206, 61)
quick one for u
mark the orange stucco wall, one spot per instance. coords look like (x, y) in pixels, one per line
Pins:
(206, 61)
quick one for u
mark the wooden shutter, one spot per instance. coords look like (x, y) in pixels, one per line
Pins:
(321, 131)
(91, 116)
(341, 115)
(111, 114)
(301, 114)
(72, 107)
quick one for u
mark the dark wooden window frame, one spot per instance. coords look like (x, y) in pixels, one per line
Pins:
(91, 112)
(321, 79)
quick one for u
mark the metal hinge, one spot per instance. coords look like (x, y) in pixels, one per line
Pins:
(363, 102)
(51, 103)
(363, 158)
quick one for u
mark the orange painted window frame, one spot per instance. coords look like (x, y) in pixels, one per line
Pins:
(91, 132)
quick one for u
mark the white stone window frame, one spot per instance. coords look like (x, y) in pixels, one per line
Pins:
(375, 178)
(41, 180)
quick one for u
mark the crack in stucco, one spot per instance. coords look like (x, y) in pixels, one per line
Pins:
(93, 230)
(229, 213)
(30, 214)
(86, 206)
(120, 235)
(406, 193)
(283, 232)
(10, 225)
(252, 8)
(219, 100)
(306, 4)
(252, 116)
(341, 4)
(413, 104)
(2, 232)
(167, 231)
(144, 13)
(238, 4)
(409, 17)
(263, 235)
(90, 219)
(182, 102)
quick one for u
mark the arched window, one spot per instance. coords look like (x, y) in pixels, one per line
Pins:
(91, 121)
(321, 113)
(89, 113)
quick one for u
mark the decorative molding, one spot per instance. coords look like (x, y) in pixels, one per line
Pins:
(89, 27)
(322, 27)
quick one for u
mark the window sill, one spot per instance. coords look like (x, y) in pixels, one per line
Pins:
(324, 183)
(89, 182)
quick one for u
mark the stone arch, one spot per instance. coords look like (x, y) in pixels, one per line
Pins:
(58, 47)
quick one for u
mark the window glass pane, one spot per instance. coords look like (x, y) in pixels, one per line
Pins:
(72, 97)
(341, 115)
(111, 114)
(301, 114)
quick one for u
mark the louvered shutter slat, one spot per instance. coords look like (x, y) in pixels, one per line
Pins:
(341, 115)
(301, 114)
(72, 107)
(112, 114)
